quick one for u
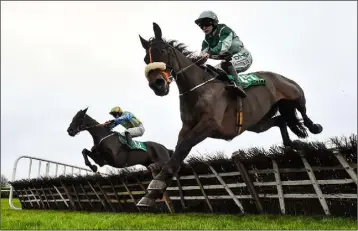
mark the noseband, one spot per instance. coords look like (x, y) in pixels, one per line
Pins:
(169, 75)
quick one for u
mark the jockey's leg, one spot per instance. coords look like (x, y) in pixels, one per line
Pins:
(241, 62)
(238, 63)
(134, 132)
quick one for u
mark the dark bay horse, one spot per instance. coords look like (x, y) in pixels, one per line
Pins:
(110, 151)
(207, 109)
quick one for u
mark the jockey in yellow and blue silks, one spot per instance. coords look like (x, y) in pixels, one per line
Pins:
(134, 127)
(221, 40)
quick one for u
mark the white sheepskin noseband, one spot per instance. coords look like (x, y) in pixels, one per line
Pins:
(154, 66)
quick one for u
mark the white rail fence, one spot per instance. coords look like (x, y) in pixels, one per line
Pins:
(48, 164)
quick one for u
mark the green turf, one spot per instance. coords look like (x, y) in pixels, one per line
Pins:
(49, 220)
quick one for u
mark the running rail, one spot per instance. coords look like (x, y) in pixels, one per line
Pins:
(39, 168)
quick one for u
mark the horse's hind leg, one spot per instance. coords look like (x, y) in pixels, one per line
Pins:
(312, 127)
(159, 156)
(278, 121)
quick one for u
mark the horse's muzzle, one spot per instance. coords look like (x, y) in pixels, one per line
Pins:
(71, 132)
(159, 87)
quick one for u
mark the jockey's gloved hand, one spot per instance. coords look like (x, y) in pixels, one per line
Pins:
(109, 122)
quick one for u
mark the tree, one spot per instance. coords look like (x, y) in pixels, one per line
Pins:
(3, 181)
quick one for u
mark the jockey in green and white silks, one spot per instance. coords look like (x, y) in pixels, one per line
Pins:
(134, 127)
(222, 40)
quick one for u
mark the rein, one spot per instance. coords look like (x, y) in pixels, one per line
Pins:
(81, 128)
(170, 76)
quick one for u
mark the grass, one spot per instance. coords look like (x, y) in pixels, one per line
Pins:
(49, 220)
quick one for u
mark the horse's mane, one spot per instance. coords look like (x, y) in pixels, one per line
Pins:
(91, 119)
(182, 48)
(95, 121)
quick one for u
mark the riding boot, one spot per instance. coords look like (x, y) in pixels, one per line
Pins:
(129, 138)
(238, 89)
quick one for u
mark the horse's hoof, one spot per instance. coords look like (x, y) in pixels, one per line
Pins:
(146, 202)
(94, 168)
(157, 185)
(316, 129)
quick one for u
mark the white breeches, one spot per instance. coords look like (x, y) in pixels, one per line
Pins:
(240, 62)
(135, 132)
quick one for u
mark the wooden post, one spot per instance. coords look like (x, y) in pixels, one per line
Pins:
(53, 197)
(60, 194)
(313, 179)
(105, 197)
(34, 195)
(22, 198)
(346, 166)
(39, 195)
(202, 190)
(237, 202)
(68, 195)
(43, 191)
(99, 198)
(78, 199)
(28, 197)
(279, 187)
(130, 194)
(180, 191)
(116, 195)
(84, 191)
(236, 156)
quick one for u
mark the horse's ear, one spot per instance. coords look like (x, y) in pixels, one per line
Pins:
(145, 43)
(85, 110)
(157, 31)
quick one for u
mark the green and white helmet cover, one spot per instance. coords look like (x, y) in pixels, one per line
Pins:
(207, 14)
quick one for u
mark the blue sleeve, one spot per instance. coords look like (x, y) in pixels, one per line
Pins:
(117, 121)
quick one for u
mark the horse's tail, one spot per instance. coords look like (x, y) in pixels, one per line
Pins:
(288, 111)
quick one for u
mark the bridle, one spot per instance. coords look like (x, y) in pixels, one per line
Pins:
(170, 75)
(82, 128)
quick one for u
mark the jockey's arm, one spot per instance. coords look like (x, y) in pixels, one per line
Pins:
(226, 37)
(204, 47)
(119, 120)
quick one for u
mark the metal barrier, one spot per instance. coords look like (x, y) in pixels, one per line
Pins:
(48, 162)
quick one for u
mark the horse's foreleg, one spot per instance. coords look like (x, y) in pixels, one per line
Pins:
(86, 153)
(182, 133)
(158, 185)
(200, 132)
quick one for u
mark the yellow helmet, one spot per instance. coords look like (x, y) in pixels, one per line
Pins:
(115, 110)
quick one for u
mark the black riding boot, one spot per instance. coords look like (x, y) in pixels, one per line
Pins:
(238, 89)
(128, 137)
